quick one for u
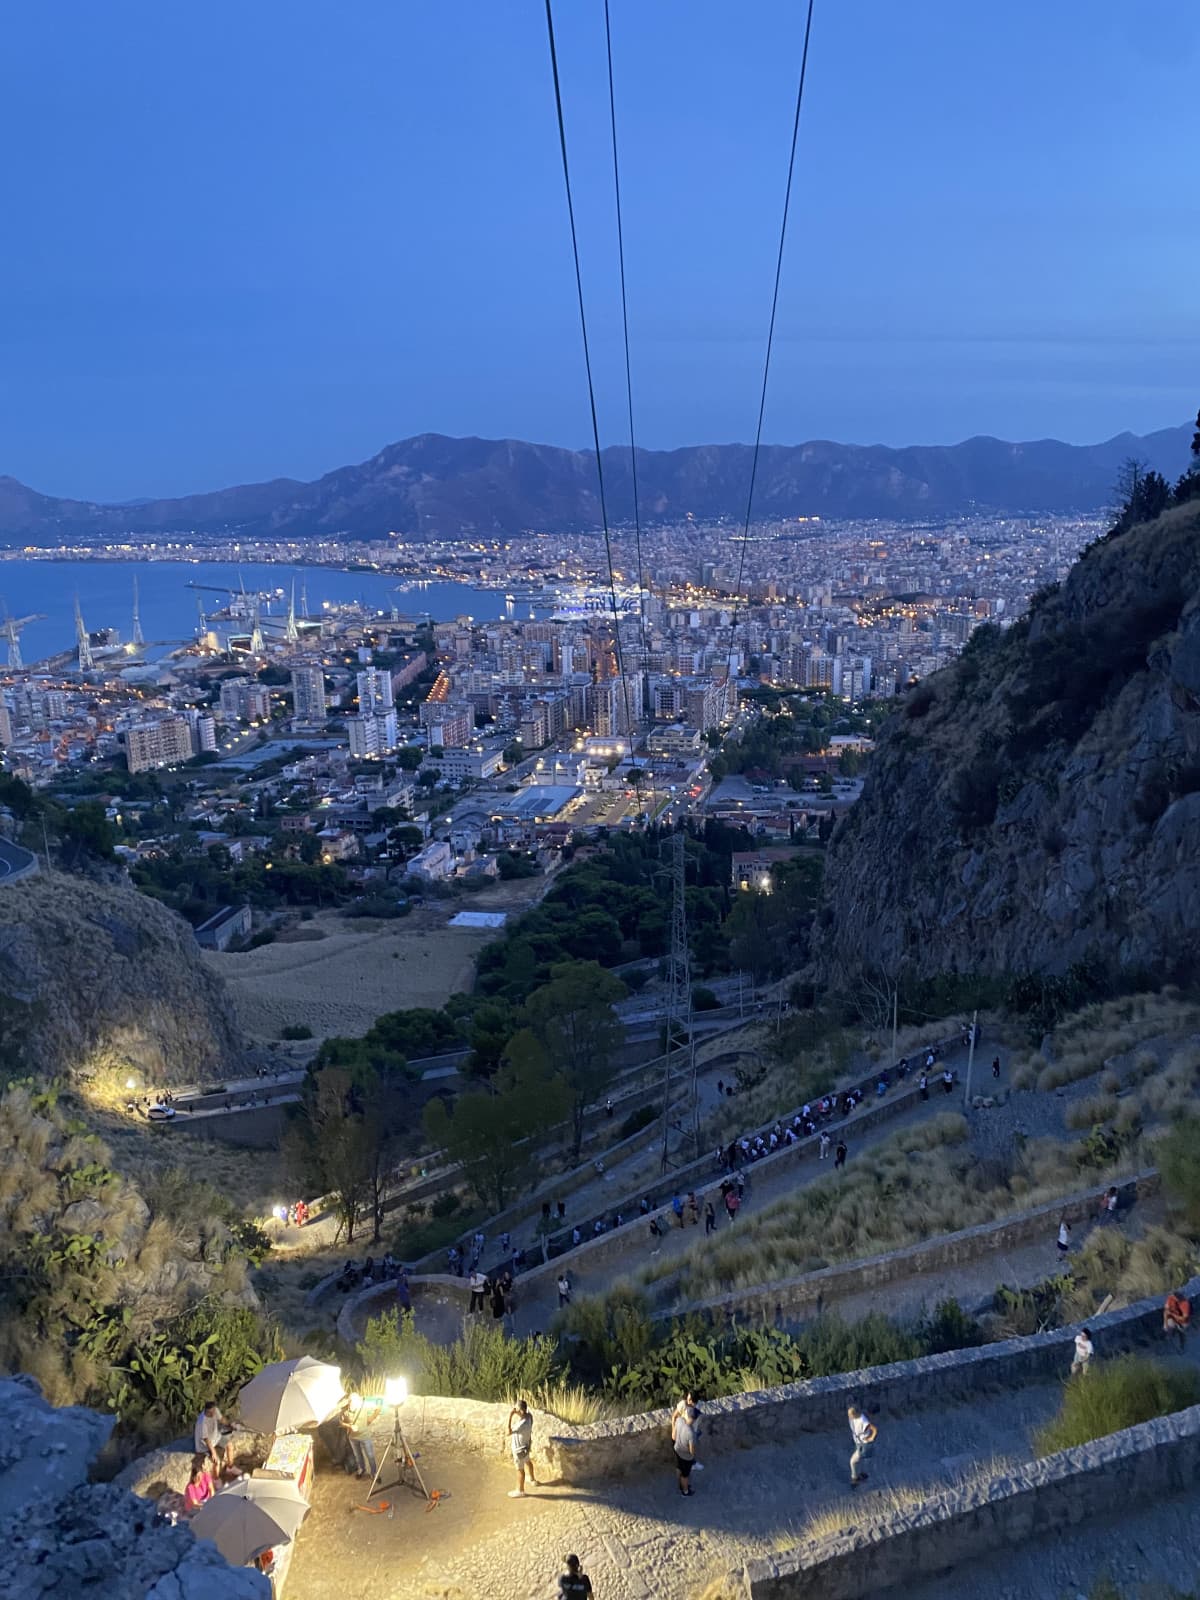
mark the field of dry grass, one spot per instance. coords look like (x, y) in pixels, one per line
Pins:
(340, 983)
(1083, 1042)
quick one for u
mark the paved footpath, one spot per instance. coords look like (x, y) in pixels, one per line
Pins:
(639, 1539)
(766, 1183)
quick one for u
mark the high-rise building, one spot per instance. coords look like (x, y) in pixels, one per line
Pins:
(308, 694)
(375, 691)
(372, 736)
(165, 742)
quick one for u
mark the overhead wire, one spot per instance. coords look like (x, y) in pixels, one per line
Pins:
(762, 399)
(633, 467)
(587, 362)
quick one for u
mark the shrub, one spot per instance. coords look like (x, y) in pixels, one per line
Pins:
(1179, 1163)
(1093, 1112)
(483, 1363)
(1114, 1395)
(257, 940)
(446, 1204)
(296, 1030)
(704, 1000)
(636, 1121)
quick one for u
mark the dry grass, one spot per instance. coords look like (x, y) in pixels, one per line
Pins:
(1093, 1112)
(340, 984)
(917, 1185)
(253, 1179)
(1089, 1038)
(847, 1516)
(1109, 1262)
(1172, 1090)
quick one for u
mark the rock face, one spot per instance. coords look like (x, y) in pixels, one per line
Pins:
(1036, 805)
(61, 1536)
(96, 977)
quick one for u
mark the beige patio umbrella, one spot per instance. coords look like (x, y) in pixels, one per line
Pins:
(250, 1516)
(289, 1395)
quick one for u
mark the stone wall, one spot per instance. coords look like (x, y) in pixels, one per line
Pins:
(790, 1298)
(1034, 1501)
(606, 1449)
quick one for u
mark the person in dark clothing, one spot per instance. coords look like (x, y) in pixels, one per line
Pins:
(995, 1066)
(839, 1155)
(710, 1218)
(574, 1584)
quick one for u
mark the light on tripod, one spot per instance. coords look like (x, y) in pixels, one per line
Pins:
(395, 1391)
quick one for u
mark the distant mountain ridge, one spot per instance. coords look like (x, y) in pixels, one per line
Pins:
(433, 486)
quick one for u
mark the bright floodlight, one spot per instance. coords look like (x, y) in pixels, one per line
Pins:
(131, 1083)
(395, 1391)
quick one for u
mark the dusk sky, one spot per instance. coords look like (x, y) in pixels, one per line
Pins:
(252, 240)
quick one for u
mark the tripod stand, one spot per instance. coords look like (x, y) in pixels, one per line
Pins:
(408, 1474)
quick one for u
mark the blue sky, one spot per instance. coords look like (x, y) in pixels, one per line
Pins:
(254, 240)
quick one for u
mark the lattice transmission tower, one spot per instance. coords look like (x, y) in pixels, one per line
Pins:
(679, 1000)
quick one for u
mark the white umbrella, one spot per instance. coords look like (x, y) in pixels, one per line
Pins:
(250, 1516)
(290, 1394)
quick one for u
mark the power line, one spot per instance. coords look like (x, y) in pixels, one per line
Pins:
(637, 518)
(587, 362)
(762, 399)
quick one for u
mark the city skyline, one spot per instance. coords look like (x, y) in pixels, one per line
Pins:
(304, 245)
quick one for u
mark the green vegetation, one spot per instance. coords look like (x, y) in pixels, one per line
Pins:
(1114, 1395)
(572, 1018)
(130, 1303)
(488, 1130)
(614, 1359)
(793, 726)
(483, 1363)
(1179, 1162)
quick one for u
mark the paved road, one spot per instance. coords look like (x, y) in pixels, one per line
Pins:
(15, 862)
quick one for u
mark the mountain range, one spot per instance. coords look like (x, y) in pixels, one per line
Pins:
(432, 486)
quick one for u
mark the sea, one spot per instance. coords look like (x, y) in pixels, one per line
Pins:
(168, 604)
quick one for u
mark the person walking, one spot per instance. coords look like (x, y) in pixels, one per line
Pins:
(683, 1441)
(1108, 1206)
(732, 1201)
(564, 1290)
(574, 1584)
(710, 1218)
(520, 1441)
(839, 1155)
(947, 1081)
(823, 1145)
(924, 1086)
(995, 1066)
(1177, 1316)
(479, 1289)
(864, 1433)
(1063, 1243)
(677, 1208)
(1084, 1351)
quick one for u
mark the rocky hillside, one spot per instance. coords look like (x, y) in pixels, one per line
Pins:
(1036, 806)
(97, 978)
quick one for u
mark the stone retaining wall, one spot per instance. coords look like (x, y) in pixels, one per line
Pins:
(614, 1244)
(790, 1298)
(606, 1449)
(1104, 1478)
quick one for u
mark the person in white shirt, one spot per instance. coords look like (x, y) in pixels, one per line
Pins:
(564, 1290)
(1064, 1236)
(206, 1436)
(864, 1433)
(478, 1289)
(1084, 1351)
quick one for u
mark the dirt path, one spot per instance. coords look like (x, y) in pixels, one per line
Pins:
(638, 1538)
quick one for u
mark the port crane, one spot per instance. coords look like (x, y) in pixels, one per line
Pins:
(12, 632)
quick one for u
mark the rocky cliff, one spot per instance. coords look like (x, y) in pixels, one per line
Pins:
(1036, 806)
(97, 978)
